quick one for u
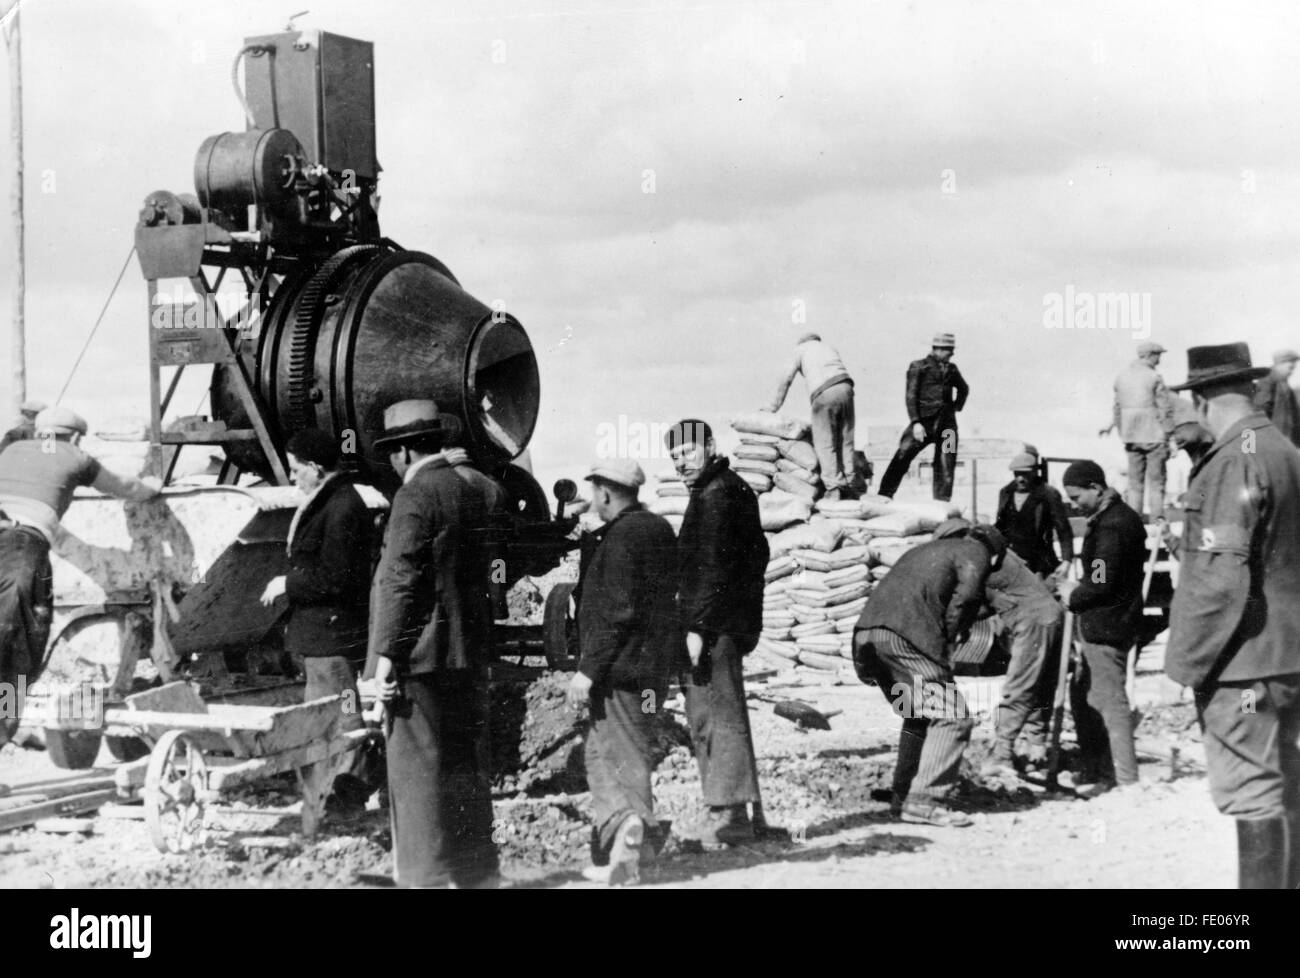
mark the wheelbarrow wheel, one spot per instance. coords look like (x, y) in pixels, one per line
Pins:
(559, 630)
(73, 750)
(175, 793)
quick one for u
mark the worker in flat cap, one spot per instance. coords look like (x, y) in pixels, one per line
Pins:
(830, 391)
(38, 477)
(430, 638)
(1235, 620)
(722, 561)
(629, 644)
(1032, 517)
(26, 428)
(1108, 604)
(1275, 397)
(936, 391)
(1144, 417)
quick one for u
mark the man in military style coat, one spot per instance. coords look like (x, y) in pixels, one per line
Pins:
(1235, 620)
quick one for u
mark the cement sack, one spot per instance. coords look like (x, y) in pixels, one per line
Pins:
(757, 481)
(749, 438)
(785, 650)
(887, 550)
(760, 453)
(848, 509)
(667, 475)
(754, 465)
(896, 525)
(796, 487)
(779, 509)
(814, 560)
(801, 453)
(828, 599)
(777, 619)
(818, 660)
(847, 611)
(767, 423)
(876, 506)
(822, 537)
(672, 489)
(824, 644)
(848, 575)
(845, 625)
(804, 614)
(783, 464)
(776, 634)
(878, 573)
(779, 567)
(670, 505)
(812, 628)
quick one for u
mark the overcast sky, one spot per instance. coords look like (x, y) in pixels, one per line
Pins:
(885, 170)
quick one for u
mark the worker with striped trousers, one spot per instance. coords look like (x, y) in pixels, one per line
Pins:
(900, 642)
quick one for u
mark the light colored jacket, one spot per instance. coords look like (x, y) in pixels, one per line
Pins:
(821, 367)
(1144, 410)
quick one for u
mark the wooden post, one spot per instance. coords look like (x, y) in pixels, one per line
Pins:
(18, 327)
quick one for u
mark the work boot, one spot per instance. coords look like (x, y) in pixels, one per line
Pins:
(927, 813)
(725, 825)
(1261, 853)
(625, 856)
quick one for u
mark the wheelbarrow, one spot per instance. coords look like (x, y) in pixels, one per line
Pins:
(200, 750)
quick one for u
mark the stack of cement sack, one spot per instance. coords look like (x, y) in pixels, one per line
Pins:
(671, 497)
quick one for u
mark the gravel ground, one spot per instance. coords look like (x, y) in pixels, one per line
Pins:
(817, 784)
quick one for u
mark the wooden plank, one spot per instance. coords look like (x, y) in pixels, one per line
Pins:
(222, 776)
(177, 697)
(71, 805)
(47, 791)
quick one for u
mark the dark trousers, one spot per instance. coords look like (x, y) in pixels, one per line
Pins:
(619, 754)
(719, 720)
(26, 608)
(1030, 684)
(941, 432)
(1252, 746)
(333, 675)
(1103, 719)
(438, 788)
(832, 434)
(936, 720)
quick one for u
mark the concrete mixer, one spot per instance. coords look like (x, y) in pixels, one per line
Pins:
(333, 322)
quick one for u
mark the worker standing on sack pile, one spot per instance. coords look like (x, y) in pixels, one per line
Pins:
(1108, 602)
(430, 631)
(830, 392)
(722, 561)
(1275, 398)
(1031, 618)
(37, 479)
(1030, 514)
(1143, 416)
(630, 644)
(936, 391)
(922, 607)
(26, 428)
(1235, 621)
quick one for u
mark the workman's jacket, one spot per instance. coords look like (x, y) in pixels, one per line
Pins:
(931, 595)
(934, 388)
(1236, 612)
(1029, 530)
(1108, 599)
(627, 618)
(1144, 409)
(722, 558)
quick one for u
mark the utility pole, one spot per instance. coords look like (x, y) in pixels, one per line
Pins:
(18, 325)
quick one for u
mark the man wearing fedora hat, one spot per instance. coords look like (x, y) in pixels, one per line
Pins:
(430, 632)
(1144, 416)
(1275, 397)
(630, 643)
(1235, 620)
(936, 391)
(38, 477)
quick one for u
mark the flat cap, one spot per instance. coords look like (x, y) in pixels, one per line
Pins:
(1282, 356)
(1147, 348)
(59, 420)
(944, 341)
(1084, 473)
(1023, 461)
(620, 471)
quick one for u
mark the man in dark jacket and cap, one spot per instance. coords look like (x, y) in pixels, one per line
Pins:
(630, 643)
(1275, 398)
(1031, 516)
(430, 635)
(902, 641)
(1235, 621)
(936, 391)
(722, 560)
(1108, 603)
